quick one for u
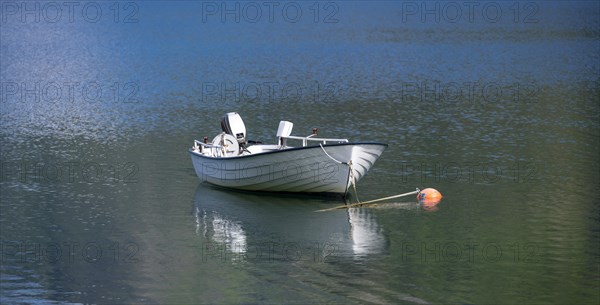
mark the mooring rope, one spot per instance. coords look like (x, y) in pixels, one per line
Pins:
(368, 202)
(353, 183)
(353, 180)
(330, 157)
(349, 163)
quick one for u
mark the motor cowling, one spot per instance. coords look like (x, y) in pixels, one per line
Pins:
(233, 124)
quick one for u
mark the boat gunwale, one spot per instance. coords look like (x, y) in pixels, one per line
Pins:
(285, 150)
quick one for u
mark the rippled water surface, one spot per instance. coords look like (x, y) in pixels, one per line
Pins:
(500, 112)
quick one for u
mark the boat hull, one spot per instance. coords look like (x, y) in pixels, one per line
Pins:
(310, 169)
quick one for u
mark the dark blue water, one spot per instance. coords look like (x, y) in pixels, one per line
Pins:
(498, 109)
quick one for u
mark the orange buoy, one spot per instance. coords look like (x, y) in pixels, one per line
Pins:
(429, 195)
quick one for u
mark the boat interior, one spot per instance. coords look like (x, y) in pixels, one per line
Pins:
(232, 141)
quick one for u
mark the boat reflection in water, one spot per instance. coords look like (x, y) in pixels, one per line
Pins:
(251, 226)
(367, 236)
(222, 231)
(242, 226)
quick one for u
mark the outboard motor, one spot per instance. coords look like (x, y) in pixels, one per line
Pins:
(232, 124)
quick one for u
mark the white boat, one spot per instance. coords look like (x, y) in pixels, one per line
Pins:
(315, 165)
